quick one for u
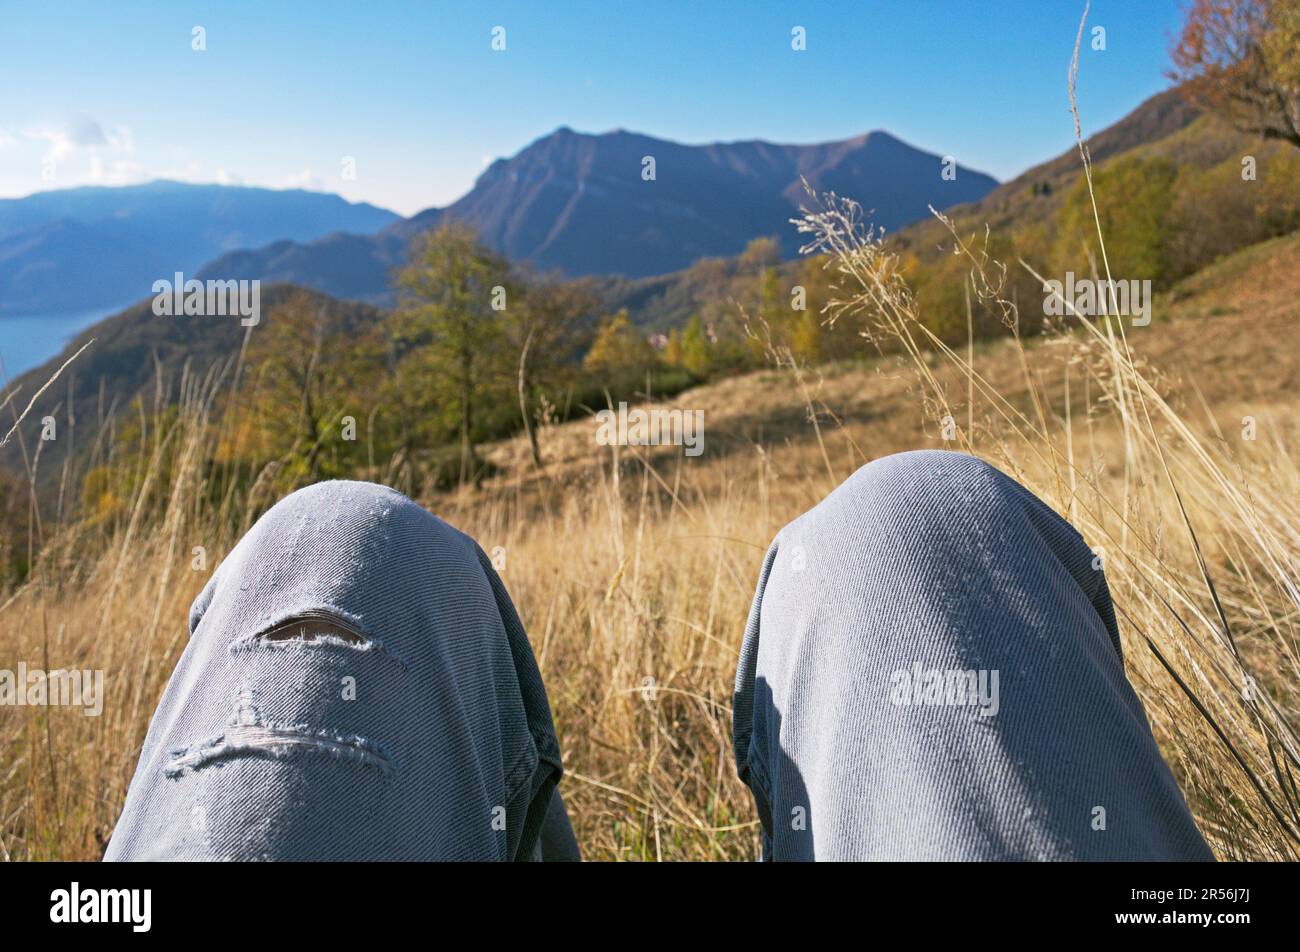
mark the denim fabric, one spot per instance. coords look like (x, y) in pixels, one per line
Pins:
(931, 565)
(429, 737)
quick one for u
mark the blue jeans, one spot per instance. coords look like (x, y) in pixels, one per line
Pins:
(931, 670)
(356, 686)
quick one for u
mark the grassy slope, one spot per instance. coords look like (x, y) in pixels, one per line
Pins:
(134, 352)
(625, 572)
(121, 362)
(1212, 332)
(630, 575)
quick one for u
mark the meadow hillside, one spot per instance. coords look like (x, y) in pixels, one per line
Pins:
(1169, 183)
(1173, 198)
(1170, 446)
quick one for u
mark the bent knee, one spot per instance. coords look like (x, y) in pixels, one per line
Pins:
(938, 511)
(341, 536)
(360, 518)
(933, 506)
(337, 496)
(906, 494)
(341, 511)
(923, 473)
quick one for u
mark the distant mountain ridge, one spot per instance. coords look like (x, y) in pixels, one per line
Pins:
(85, 248)
(579, 204)
(122, 359)
(665, 301)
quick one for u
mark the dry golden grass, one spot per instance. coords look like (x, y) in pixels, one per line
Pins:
(634, 574)
(633, 569)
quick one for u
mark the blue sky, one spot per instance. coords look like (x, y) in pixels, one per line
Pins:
(112, 92)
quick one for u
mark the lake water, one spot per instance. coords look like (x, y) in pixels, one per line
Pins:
(27, 341)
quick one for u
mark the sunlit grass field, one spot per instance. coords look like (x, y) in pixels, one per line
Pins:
(1171, 447)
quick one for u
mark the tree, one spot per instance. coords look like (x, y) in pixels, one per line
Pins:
(448, 323)
(1241, 58)
(693, 351)
(543, 328)
(302, 365)
(760, 253)
(1134, 196)
(619, 348)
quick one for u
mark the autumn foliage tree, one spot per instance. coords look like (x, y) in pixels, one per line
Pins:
(299, 385)
(452, 294)
(619, 348)
(1241, 58)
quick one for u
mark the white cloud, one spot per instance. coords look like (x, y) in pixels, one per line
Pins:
(121, 139)
(60, 142)
(67, 139)
(117, 172)
(182, 169)
(41, 155)
(87, 134)
(305, 179)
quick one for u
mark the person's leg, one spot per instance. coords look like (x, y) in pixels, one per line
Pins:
(556, 844)
(931, 670)
(357, 685)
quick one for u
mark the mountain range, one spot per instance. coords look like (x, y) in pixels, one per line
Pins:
(585, 204)
(79, 249)
(131, 345)
(570, 202)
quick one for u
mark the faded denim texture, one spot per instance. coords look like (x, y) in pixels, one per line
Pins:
(447, 751)
(937, 560)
